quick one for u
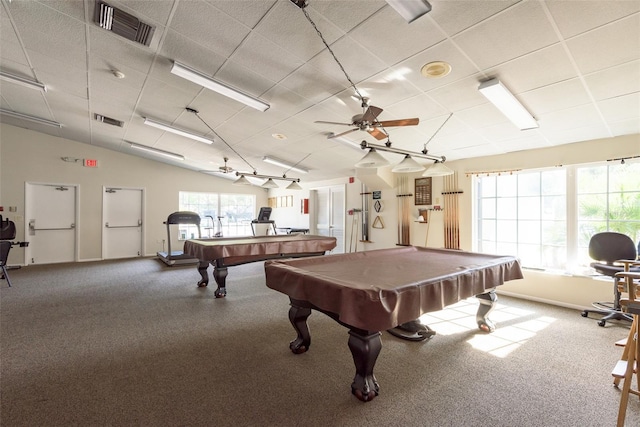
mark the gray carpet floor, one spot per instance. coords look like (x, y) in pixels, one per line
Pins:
(136, 343)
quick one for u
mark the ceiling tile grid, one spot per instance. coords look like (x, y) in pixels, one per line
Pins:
(575, 65)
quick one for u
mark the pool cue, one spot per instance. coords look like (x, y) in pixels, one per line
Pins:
(426, 237)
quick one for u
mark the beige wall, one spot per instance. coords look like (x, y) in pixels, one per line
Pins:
(28, 156)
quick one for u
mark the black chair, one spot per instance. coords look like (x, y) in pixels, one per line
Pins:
(5, 246)
(605, 249)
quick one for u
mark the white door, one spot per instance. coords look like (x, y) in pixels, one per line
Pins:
(330, 214)
(50, 211)
(122, 234)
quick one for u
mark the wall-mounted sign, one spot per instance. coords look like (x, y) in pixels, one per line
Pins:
(91, 163)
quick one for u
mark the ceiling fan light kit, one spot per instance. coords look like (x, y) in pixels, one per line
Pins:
(203, 80)
(508, 104)
(169, 128)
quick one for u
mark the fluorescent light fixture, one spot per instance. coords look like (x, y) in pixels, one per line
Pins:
(168, 128)
(203, 80)
(284, 164)
(407, 165)
(438, 169)
(372, 159)
(294, 186)
(270, 183)
(410, 10)
(344, 141)
(29, 118)
(156, 151)
(32, 84)
(508, 105)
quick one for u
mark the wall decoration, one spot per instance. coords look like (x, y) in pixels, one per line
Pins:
(377, 223)
(377, 195)
(377, 206)
(423, 191)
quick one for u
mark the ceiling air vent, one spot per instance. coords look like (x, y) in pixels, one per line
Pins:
(122, 23)
(108, 120)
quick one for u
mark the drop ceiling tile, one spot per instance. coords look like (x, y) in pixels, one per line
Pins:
(312, 84)
(266, 58)
(559, 96)
(209, 26)
(387, 35)
(621, 108)
(626, 127)
(461, 66)
(459, 95)
(535, 70)
(607, 46)
(456, 16)
(287, 26)
(112, 47)
(247, 12)
(577, 17)
(615, 81)
(347, 14)
(572, 118)
(520, 30)
(177, 47)
(244, 79)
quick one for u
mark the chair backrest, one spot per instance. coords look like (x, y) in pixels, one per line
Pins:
(5, 246)
(7, 229)
(610, 246)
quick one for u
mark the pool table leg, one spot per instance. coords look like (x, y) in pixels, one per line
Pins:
(365, 350)
(298, 317)
(202, 269)
(487, 304)
(220, 275)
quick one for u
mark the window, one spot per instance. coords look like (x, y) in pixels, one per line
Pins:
(546, 217)
(225, 215)
(524, 214)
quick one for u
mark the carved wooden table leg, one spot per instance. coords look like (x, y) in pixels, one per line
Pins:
(202, 269)
(487, 304)
(365, 350)
(220, 275)
(298, 317)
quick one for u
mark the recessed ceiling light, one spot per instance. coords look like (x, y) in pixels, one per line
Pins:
(435, 69)
(279, 136)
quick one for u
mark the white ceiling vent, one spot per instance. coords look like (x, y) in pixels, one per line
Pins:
(108, 120)
(122, 23)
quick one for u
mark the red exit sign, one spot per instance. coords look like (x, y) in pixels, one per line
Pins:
(91, 163)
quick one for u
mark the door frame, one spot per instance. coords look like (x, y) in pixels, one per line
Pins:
(313, 218)
(77, 222)
(142, 215)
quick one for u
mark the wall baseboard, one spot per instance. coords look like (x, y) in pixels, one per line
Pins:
(542, 300)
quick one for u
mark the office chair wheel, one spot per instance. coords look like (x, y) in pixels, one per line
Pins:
(584, 314)
(602, 323)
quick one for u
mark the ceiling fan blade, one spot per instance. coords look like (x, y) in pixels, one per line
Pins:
(333, 123)
(378, 134)
(343, 133)
(371, 114)
(401, 122)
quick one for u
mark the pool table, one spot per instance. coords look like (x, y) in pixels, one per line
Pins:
(224, 252)
(386, 289)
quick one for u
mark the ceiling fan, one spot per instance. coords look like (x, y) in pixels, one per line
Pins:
(368, 122)
(221, 169)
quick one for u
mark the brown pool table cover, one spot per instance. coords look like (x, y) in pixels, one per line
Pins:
(381, 289)
(239, 248)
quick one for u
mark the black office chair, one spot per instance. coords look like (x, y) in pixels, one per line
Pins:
(5, 246)
(605, 249)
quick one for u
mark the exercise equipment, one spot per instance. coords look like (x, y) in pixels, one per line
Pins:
(179, 257)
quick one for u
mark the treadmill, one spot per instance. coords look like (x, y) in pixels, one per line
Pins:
(178, 257)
